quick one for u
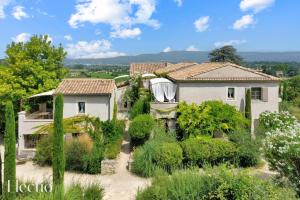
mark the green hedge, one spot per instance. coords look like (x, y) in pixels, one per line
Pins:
(113, 149)
(141, 106)
(213, 184)
(200, 151)
(168, 156)
(140, 129)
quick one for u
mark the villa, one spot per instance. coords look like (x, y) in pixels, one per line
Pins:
(196, 83)
(169, 84)
(94, 97)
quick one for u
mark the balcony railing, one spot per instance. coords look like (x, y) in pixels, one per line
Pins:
(40, 115)
(163, 110)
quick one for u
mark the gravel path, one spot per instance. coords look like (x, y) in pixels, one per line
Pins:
(121, 186)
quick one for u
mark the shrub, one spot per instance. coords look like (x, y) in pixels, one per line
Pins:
(113, 149)
(209, 117)
(140, 128)
(43, 155)
(141, 106)
(93, 192)
(114, 143)
(271, 121)
(76, 151)
(143, 157)
(200, 151)
(213, 184)
(248, 149)
(74, 192)
(281, 150)
(168, 156)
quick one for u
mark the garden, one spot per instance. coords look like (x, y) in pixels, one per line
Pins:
(212, 154)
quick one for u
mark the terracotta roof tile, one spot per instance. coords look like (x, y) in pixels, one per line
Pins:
(211, 72)
(146, 68)
(174, 67)
(85, 86)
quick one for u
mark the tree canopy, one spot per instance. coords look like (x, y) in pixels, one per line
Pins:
(225, 54)
(31, 67)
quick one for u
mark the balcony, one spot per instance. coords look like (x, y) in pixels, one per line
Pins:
(163, 110)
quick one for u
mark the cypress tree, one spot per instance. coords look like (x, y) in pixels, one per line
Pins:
(9, 188)
(58, 150)
(248, 113)
(0, 174)
(284, 91)
(115, 110)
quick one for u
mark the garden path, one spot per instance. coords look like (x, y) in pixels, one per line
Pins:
(120, 186)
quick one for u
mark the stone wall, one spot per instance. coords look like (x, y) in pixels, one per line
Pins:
(108, 167)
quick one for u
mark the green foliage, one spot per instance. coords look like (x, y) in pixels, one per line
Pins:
(76, 152)
(248, 148)
(140, 128)
(284, 95)
(270, 121)
(74, 192)
(115, 110)
(248, 112)
(208, 118)
(146, 159)
(200, 151)
(168, 156)
(113, 148)
(0, 173)
(33, 67)
(225, 54)
(44, 149)
(281, 150)
(292, 88)
(93, 192)
(132, 93)
(141, 106)
(217, 183)
(9, 153)
(58, 164)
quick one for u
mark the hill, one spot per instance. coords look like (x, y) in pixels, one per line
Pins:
(179, 56)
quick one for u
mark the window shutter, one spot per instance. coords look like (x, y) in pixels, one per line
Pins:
(265, 94)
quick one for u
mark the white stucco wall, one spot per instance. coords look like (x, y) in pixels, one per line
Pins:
(199, 92)
(97, 106)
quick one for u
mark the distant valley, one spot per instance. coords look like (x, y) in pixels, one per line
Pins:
(179, 56)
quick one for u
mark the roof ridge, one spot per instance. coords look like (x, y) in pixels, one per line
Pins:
(209, 70)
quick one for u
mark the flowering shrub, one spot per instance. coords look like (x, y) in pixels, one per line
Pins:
(282, 151)
(274, 120)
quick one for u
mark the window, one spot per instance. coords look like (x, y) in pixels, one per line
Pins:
(81, 107)
(231, 93)
(256, 93)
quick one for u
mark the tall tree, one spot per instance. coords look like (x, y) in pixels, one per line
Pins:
(31, 67)
(0, 173)
(58, 150)
(9, 153)
(225, 54)
(248, 114)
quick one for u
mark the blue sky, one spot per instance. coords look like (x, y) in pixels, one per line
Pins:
(107, 28)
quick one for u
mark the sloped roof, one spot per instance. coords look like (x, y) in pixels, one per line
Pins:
(215, 71)
(174, 67)
(85, 86)
(146, 68)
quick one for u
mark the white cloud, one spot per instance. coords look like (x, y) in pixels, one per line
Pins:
(19, 13)
(230, 42)
(126, 33)
(3, 4)
(49, 39)
(68, 37)
(120, 15)
(244, 22)
(201, 24)
(255, 5)
(22, 37)
(192, 48)
(167, 49)
(179, 2)
(92, 49)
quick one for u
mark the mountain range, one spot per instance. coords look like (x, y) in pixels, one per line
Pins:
(180, 56)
